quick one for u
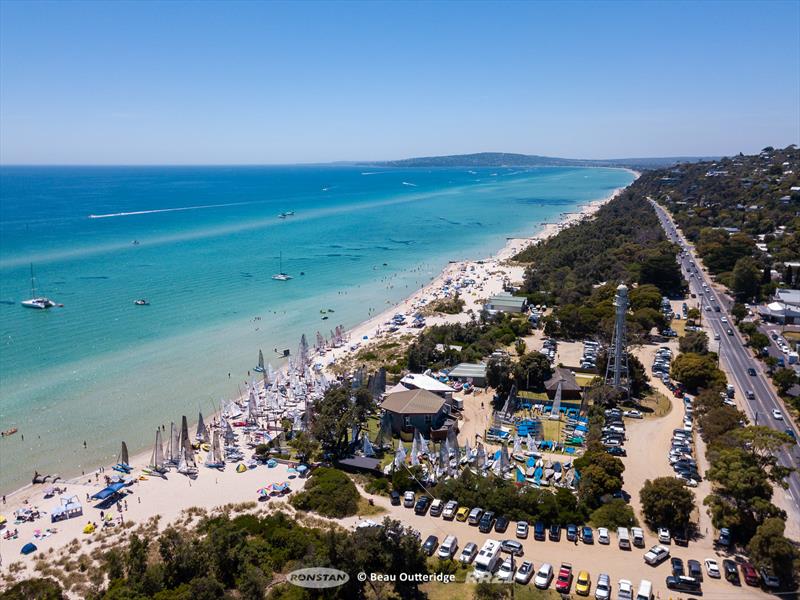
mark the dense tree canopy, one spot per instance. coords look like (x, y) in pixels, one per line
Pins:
(667, 502)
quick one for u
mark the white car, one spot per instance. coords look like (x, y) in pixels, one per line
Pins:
(468, 554)
(450, 509)
(524, 573)
(633, 414)
(663, 535)
(602, 536)
(625, 590)
(656, 555)
(408, 499)
(724, 319)
(712, 568)
(505, 573)
(543, 576)
(777, 414)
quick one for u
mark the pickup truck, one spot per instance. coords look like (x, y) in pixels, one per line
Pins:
(564, 580)
(656, 555)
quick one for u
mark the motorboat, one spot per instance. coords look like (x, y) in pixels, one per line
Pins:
(141, 302)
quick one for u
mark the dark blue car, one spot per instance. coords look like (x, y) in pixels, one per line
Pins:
(539, 531)
(587, 536)
(572, 532)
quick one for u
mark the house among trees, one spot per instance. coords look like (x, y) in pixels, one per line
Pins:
(570, 390)
(785, 307)
(419, 409)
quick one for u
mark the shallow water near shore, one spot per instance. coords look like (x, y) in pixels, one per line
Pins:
(207, 241)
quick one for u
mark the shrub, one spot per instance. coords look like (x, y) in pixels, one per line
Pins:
(330, 493)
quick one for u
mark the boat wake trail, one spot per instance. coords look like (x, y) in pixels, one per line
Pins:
(163, 210)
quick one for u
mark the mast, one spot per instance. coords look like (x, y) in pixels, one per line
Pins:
(33, 284)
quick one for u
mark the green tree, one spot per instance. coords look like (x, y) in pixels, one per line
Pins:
(718, 421)
(784, 379)
(758, 341)
(334, 417)
(746, 279)
(498, 374)
(532, 370)
(36, 588)
(328, 492)
(614, 514)
(770, 548)
(645, 296)
(694, 341)
(305, 445)
(666, 502)
(739, 311)
(697, 371)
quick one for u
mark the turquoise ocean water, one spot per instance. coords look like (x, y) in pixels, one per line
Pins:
(101, 369)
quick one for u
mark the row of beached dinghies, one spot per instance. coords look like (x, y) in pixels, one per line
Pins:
(257, 414)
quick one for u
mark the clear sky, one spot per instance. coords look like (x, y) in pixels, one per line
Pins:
(250, 82)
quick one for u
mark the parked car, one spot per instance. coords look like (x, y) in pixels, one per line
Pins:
(501, 524)
(555, 533)
(663, 535)
(512, 547)
(408, 499)
(564, 580)
(587, 536)
(487, 522)
(583, 583)
(543, 576)
(506, 572)
(468, 554)
(731, 572)
(429, 547)
(475, 516)
(437, 506)
(422, 505)
(683, 584)
(450, 509)
(750, 574)
(624, 590)
(769, 579)
(656, 555)
(677, 566)
(637, 535)
(539, 531)
(572, 533)
(602, 590)
(616, 451)
(522, 529)
(694, 569)
(524, 573)
(712, 568)
(724, 538)
(602, 536)
(394, 496)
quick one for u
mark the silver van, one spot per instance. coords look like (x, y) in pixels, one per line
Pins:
(624, 538)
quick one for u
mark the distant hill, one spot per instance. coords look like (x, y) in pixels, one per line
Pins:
(503, 159)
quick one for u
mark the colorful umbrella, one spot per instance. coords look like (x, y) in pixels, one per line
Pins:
(262, 491)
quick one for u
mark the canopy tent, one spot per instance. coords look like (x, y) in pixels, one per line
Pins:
(109, 491)
(69, 508)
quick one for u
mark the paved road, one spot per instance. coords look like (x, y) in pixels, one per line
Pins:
(738, 358)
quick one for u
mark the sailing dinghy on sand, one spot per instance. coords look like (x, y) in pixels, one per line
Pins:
(157, 463)
(123, 463)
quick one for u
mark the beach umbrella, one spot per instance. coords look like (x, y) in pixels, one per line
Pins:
(292, 470)
(2, 519)
(302, 468)
(28, 548)
(262, 491)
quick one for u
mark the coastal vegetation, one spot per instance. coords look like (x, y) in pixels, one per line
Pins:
(667, 502)
(448, 306)
(328, 492)
(243, 556)
(578, 269)
(729, 208)
(440, 346)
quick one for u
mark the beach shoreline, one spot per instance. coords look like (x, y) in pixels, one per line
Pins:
(512, 246)
(205, 490)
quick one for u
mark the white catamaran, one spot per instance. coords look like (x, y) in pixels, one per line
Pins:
(281, 276)
(40, 303)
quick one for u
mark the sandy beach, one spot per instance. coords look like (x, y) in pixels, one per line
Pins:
(169, 496)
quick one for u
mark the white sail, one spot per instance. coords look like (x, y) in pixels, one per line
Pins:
(414, 450)
(517, 445)
(230, 436)
(202, 434)
(423, 445)
(172, 444)
(367, 448)
(157, 458)
(400, 455)
(530, 443)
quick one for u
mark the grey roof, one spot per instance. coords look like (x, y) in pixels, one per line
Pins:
(469, 370)
(413, 402)
(566, 378)
(515, 301)
(788, 296)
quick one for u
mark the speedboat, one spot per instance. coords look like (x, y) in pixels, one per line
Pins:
(141, 302)
(281, 277)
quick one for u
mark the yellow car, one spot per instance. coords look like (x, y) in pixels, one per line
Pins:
(583, 584)
(462, 514)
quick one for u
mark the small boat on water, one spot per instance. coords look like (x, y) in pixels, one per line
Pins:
(259, 368)
(141, 302)
(281, 276)
(40, 302)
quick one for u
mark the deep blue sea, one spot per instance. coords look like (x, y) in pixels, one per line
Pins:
(209, 239)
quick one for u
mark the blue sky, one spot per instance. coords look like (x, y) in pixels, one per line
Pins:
(250, 83)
